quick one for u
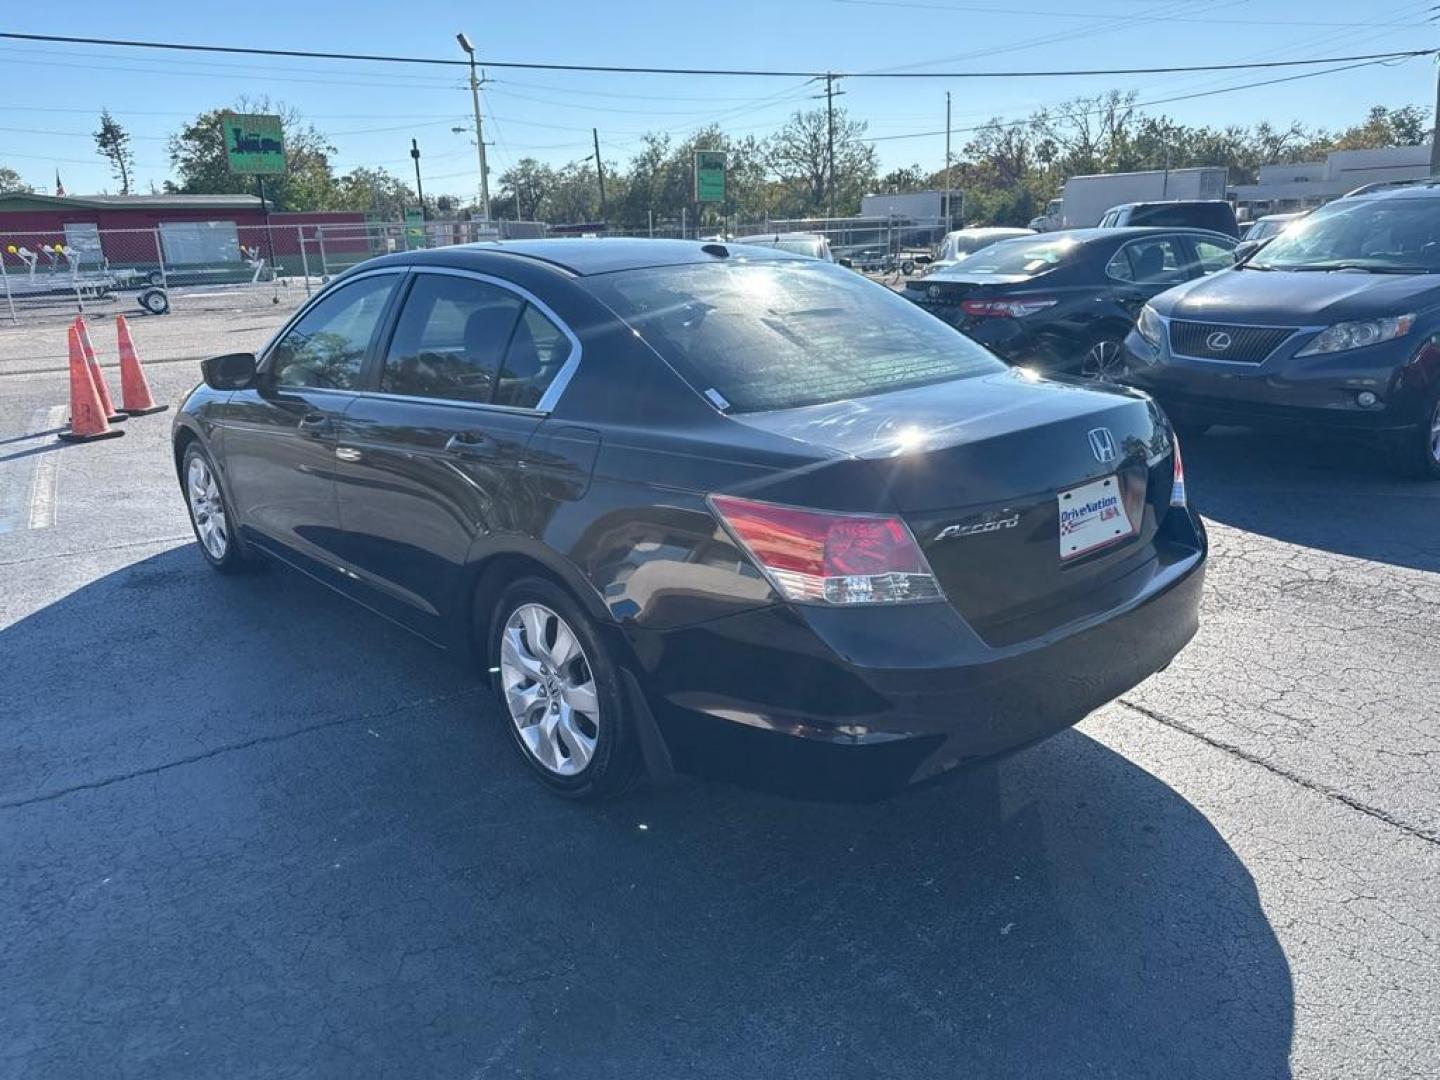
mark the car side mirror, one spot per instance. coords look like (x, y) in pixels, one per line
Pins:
(233, 371)
(848, 263)
(1245, 249)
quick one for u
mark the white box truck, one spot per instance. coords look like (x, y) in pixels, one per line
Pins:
(1086, 198)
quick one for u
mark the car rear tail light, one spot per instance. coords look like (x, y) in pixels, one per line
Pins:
(1177, 486)
(821, 558)
(1016, 308)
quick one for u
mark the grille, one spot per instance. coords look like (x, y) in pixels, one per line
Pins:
(1219, 341)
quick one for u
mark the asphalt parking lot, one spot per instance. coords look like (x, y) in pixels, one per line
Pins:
(247, 829)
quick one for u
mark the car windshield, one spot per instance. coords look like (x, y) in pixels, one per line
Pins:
(1386, 235)
(1027, 257)
(777, 335)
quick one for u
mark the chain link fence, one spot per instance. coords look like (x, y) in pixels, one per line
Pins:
(204, 266)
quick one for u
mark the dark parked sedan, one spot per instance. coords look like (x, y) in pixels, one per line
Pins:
(702, 507)
(1334, 323)
(1064, 301)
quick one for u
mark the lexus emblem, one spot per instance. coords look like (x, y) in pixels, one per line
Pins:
(1102, 444)
(1219, 341)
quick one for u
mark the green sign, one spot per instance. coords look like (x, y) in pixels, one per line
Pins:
(709, 176)
(414, 228)
(254, 144)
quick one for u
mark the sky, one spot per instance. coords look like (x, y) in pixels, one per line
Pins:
(51, 94)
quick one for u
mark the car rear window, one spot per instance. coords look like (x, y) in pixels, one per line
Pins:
(1216, 216)
(1025, 257)
(778, 335)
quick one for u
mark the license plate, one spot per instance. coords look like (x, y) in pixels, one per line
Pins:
(1091, 516)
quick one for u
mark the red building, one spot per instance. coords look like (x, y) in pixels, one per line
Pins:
(191, 229)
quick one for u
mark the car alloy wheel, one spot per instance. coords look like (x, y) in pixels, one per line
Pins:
(549, 689)
(1104, 361)
(207, 508)
(1435, 432)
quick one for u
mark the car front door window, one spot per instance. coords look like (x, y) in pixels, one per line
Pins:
(326, 348)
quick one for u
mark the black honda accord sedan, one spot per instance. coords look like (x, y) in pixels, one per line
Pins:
(704, 507)
(1064, 301)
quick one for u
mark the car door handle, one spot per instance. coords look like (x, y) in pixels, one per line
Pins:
(470, 444)
(314, 424)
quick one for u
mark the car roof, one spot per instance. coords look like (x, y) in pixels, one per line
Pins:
(1428, 188)
(974, 230)
(1123, 232)
(1168, 202)
(749, 237)
(583, 256)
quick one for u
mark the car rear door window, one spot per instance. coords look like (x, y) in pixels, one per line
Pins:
(1149, 261)
(326, 347)
(537, 352)
(450, 339)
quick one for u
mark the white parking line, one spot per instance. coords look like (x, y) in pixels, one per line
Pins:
(43, 481)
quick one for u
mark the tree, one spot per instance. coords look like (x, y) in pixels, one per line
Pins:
(197, 151)
(113, 142)
(910, 178)
(799, 154)
(527, 185)
(10, 181)
(376, 191)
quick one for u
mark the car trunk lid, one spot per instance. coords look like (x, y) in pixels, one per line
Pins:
(979, 469)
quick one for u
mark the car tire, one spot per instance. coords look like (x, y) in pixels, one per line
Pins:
(1415, 454)
(210, 515)
(1104, 358)
(560, 693)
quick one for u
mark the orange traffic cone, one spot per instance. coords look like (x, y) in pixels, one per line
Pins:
(104, 391)
(87, 415)
(135, 399)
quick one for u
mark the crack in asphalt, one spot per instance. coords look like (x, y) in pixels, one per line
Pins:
(1325, 790)
(259, 740)
(96, 550)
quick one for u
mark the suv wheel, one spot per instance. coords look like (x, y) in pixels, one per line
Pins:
(560, 691)
(1416, 454)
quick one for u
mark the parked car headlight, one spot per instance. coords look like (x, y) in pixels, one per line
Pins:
(1355, 335)
(1150, 326)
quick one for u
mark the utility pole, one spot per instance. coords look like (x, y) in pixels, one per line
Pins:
(1435, 132)
(419, 191)
(949, 184)
(599, 171)
(479, 127)
(830, 95)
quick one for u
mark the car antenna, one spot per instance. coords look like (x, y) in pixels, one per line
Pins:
(716, 249)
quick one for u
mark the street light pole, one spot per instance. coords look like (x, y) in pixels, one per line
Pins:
(419, 191)
(479, 127)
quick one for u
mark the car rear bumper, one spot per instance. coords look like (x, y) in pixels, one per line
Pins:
(857, 703)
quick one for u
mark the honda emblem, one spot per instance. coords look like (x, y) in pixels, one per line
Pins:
(1102, 444)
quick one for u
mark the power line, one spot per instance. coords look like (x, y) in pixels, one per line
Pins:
(1207, 19)
(1128, 105)
(738, 72)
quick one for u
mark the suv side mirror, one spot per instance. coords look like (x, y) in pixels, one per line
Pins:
(233, 371)
(1245, 249)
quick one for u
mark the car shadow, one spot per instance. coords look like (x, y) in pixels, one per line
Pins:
(1333, 494)
(250, 829)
